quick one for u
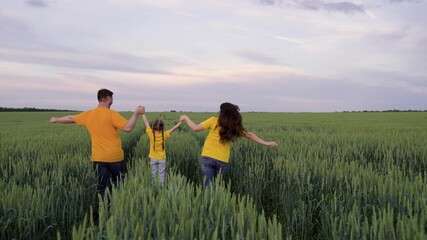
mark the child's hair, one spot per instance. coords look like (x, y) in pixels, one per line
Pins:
(230, 122)
(158, 125)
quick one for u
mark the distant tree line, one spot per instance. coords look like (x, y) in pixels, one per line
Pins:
(27, 109)
(391, 110)
(31, 109)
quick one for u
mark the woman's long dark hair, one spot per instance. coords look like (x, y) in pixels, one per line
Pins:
(158, 125)
(230, 122)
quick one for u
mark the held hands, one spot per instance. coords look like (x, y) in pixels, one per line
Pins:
(183, 118)
(140, 110)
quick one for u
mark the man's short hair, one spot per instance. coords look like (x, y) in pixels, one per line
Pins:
(103, 94)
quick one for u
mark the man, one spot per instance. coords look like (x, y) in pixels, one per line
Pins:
(102, 123)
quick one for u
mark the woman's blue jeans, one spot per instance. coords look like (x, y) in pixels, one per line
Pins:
(211, 167)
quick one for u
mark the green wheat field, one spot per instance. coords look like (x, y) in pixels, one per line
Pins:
(333, 176)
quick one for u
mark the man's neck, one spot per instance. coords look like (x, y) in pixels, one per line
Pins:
(103, 105)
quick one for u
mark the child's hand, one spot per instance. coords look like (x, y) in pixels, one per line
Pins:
(272, 144)
(140, 110)
(182, 118)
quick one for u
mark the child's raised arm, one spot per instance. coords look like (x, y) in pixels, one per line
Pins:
(144, 117)
(175, 127)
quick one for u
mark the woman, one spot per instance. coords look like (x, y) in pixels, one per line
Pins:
(223, 130)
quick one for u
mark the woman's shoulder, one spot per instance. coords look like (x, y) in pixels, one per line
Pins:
(211, 119)
(210, 122)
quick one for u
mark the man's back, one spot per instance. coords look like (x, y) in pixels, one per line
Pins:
(102, 124)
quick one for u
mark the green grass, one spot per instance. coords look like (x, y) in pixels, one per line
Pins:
(333, 176)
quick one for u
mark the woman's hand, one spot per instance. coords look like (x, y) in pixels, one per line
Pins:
(271, 144)
(183, 118)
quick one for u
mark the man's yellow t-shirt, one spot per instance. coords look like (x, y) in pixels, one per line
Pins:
(156, 148)
(103, 125)
(213, 147)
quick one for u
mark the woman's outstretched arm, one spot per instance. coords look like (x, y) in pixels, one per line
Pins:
(256, 139)
(191, 124)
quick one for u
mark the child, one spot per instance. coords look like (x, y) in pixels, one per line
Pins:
(223, 130)
(158, 136)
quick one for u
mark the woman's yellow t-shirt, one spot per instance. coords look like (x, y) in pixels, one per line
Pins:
(213, 147)
(157, 152)
(103, 125)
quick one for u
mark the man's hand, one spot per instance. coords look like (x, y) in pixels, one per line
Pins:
(53, 119)
(140, 110)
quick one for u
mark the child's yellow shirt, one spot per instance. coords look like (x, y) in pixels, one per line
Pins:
(156, 149)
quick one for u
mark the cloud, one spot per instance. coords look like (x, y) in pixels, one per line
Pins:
(186, 14)
(403, 1)
(158, 3)
(191, 55)
(287, 39)
(268, 2)
(343, 7)
(421, 47)
(37, 3)
(275, 90)
(410, 82)
(119, 62)
(14, 32)
(256, 57)
(252, 87)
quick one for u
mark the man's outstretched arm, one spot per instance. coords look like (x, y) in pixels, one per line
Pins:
(66, 119)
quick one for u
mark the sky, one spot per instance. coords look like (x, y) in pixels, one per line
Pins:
(193, 55)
